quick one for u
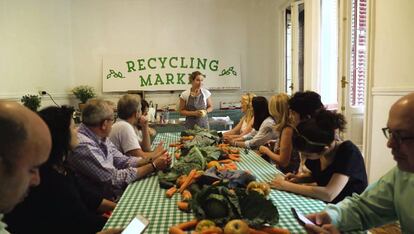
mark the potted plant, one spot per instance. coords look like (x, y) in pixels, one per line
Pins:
(83, 93)
(31, 101)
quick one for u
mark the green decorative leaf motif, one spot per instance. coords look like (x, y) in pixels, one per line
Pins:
(229, 71)
(114, 74)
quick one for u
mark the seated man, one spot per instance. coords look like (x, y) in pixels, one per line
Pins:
(97, 161)
(125, 133)
(25, 144)
(388, 199)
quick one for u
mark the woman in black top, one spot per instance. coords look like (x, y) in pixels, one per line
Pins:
(336, 167)
(59, 204)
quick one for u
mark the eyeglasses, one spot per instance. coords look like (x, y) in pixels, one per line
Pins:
(388, 133)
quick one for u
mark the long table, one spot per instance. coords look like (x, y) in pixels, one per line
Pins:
(146, 198)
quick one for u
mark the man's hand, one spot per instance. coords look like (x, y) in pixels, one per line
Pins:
(160, 148)
(162, 162)
(111, 231)
(143, 121)
(323, 223)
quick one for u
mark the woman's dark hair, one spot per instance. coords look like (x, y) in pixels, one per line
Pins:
(194, 75)
(144, 105)
(305, 103)
(314, 134)
(261, 111)
(58, 120)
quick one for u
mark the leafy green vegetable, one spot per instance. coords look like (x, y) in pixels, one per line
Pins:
(256, 209)
(220, 205)
(216, 203)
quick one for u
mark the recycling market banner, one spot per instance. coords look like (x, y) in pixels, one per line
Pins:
(161, 72)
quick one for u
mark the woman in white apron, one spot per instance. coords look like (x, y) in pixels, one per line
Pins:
(196, 102)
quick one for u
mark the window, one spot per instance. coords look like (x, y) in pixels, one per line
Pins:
(359, 53)
(329, 52)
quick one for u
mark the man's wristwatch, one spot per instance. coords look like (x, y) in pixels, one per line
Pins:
(153, 165)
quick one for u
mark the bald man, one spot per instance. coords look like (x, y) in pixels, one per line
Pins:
(25, 145)
(389, 199)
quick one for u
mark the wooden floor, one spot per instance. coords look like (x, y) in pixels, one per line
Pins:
(393, 228)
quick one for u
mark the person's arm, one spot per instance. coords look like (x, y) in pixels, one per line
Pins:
(146, 138)
(185, 112)
(374, 207)
(235, 130)
(209, 105)
(264, 134)
(325, 193)
(106, 205)
(285, 149)
(88, 160)
(248, 129)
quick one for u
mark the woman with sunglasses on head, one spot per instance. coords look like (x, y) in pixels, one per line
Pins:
(59, 204)
(245, 124)
(282, 153)
(262, 126)
(336, 167)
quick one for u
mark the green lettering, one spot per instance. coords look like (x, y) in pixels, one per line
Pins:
(201, 62)
(158, 80)
(176, 59)
(182, 62)
(213, 65)
(141, 64)
(192, 62)
(149, 63)
(145, 82)
(170, 78)
(131, 66)
(180, 77)
(162, 60)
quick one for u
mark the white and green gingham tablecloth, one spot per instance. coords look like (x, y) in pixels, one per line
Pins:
(146, 198)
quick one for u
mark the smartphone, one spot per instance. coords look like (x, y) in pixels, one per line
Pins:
(301, 218)
(137, 225)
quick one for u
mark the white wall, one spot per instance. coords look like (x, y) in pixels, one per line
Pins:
(390, 74)
(35, 47)
(57, 44)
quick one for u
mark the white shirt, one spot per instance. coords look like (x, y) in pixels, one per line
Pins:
(124, 136)
(265, 133)
(186, 94)
(3, 226)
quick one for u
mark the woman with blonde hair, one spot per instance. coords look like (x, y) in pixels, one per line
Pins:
(283, 155)
(245, 124)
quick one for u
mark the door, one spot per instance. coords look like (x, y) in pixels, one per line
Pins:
(353, 67)
(294, 37)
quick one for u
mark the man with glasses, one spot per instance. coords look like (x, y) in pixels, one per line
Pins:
(97, 161)
(390, 198)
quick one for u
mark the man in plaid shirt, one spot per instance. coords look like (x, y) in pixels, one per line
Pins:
(97, 161)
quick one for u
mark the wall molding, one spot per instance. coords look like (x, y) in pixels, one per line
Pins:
(56, 96)
(391, 91)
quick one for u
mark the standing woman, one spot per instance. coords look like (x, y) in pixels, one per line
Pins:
(196, 102)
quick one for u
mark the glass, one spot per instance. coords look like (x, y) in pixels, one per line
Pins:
(388, 133)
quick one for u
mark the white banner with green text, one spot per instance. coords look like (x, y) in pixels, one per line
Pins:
(161, 72)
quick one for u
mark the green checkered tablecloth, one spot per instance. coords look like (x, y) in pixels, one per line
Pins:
(146, 198)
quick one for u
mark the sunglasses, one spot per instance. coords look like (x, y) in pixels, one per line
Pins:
(302, 143)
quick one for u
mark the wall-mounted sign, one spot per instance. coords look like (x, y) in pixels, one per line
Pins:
(152, 73)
